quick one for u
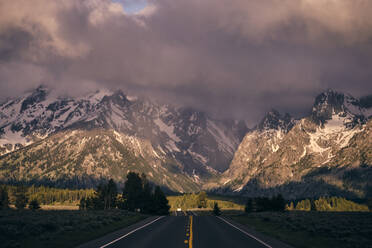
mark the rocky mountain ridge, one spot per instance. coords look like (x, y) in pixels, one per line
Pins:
(320, 149)
(80, 141)
(202, 146)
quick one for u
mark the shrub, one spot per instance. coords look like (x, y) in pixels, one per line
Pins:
(34, 205)
(216, 209)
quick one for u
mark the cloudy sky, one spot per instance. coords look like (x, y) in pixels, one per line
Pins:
(232, 58)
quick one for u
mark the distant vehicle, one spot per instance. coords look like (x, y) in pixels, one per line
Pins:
(179, 209)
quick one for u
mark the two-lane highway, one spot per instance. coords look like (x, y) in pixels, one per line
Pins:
(169, 232)
(185, 232)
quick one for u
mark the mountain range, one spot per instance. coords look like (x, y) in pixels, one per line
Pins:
(76, 142)
(181, 142)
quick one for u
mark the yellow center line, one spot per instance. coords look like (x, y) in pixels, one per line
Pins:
(190, 238)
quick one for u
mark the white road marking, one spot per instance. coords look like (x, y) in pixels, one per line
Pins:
(194, 213)
(131, 232)
(248, 234)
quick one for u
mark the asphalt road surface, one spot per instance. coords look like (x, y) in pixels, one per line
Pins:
(185, 231)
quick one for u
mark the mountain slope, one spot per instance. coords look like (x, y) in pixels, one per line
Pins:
(309, 157)
(81, 158)
(204, 146)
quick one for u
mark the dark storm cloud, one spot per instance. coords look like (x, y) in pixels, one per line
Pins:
(229, 57)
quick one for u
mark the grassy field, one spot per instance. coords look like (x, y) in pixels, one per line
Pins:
(313, 229)
(59, 228)
(59, 207)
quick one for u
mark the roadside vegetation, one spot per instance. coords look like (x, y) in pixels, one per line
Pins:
(331, 204)
(25, 223)
(202, 201)
(29, 228)
(324, 222)
(305, 229)
(48, 195)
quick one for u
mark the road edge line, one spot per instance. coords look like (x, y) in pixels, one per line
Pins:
(246, 233)
(127, 234)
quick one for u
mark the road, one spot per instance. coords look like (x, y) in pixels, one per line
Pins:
(184, 232)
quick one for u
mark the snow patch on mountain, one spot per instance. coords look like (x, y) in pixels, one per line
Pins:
(169, 130)
(224, 142)
(13, 138)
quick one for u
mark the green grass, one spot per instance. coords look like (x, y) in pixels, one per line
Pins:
(313, 229)
(62, 228)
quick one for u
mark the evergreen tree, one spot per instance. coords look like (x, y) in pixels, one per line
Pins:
(278, 203)
(160, 202)
(369, 204)
(249, 205)
(147, 198)
(104, 197)
(34, 205)
(4, 198)
(99, 200)
(312, 205)
(111, 194)
(263, 204)
(132, 192)
(202, 200)
(83, 204)
(20, 198)
(216, 209)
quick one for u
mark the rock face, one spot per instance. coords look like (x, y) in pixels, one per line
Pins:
(329, 152)
(201, 146)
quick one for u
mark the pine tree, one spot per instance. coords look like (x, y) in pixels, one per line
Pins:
(216, 209)
(83, 204)
(369, 204)
(111, 194)
(249, 206)
(147, 198)
(21, 199)
(4, 198)
(278, 203)
(160, 202)
(312, 205)
(34, 205)
(132, 192)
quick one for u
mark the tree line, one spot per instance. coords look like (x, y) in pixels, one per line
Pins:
(261, 204)
(278, 203)
(47, 195)
(327, 204)
(20, 196)
(200, 200)
(138, 195)
(188, 201)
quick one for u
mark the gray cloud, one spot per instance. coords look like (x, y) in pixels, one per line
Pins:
(233, 58)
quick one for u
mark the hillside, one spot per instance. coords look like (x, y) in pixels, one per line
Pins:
(326, 153)
(196, 145)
